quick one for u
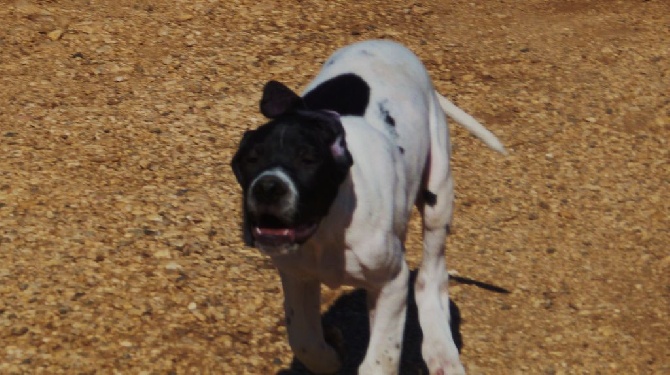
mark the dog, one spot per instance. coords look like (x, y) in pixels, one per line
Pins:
(328, 187)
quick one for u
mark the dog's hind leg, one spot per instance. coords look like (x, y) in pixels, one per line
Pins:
(436, 203)
(303, 323)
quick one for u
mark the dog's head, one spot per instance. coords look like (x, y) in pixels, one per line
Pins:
(290, 170)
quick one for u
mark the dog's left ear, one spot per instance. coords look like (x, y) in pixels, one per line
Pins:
(335, 137)
(279, 99)
(341, 153)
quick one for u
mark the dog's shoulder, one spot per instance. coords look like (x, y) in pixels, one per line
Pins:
(377, 172)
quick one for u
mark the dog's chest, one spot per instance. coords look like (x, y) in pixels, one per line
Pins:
(313, 263)
(334, 266)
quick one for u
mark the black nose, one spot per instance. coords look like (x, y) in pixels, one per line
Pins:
(269, 189)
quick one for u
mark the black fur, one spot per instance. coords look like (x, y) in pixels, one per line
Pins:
(278, 99)
(385, 114)
(300, 144)
(429, 198)
(388, 119)
(299, 140)
(346, 94)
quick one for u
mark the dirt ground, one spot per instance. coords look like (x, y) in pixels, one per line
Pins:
(120, 249)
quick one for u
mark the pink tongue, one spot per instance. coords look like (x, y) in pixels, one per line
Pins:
(273, 232)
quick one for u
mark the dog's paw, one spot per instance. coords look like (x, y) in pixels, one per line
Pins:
(446, 367)
(441, 355)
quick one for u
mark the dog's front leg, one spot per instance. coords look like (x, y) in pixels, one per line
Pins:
(387, 308)
(303, 323)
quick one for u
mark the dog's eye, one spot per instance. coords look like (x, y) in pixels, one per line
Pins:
(253, 155)
(307, 156)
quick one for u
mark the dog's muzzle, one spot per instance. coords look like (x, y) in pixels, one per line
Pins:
(273, 203)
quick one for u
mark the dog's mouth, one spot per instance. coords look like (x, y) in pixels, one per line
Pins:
(271, 233)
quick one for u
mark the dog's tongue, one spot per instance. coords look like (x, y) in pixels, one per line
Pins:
(275, 236)
(283, 236)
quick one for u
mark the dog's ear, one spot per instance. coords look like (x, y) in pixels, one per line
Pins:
(335, 137)
(279, 99)
(341, 153)
(241, 153)
(247, 236)
(242, 150)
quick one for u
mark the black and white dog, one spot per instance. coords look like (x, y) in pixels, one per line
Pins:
(329, 184)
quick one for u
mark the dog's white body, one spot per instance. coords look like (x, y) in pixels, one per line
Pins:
(397, 160)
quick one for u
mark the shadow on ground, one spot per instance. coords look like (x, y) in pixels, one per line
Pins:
(349, 315)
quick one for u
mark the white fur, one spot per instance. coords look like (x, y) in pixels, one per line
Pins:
(287, 207)
(471, 124)
(361, 241)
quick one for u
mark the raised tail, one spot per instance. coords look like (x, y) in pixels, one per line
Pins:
(468, 122)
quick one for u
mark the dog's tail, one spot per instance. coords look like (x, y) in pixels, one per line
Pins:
(468, 122)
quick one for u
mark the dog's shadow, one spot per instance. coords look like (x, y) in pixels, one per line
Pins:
(349, 315)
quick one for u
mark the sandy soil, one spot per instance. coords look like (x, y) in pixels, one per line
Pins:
(119, 243)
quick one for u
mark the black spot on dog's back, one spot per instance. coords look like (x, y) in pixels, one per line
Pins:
(385, 115)
(346, 94)
(388, 119)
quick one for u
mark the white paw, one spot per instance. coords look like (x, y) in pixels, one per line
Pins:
(378, 368)
(442, 359)
(446, 367)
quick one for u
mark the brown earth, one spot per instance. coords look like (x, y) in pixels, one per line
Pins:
(119, 243)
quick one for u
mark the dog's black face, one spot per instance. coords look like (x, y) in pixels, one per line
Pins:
(290, 170)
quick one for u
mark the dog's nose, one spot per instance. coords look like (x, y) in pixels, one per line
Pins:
(269, 189)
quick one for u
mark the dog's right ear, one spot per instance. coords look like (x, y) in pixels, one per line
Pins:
(279, 99)
(242, 150)
(247, 236)
(235, 163)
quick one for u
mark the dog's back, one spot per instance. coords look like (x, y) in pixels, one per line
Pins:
(391, 90)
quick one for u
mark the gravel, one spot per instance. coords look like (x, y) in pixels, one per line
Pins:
(120, 249)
